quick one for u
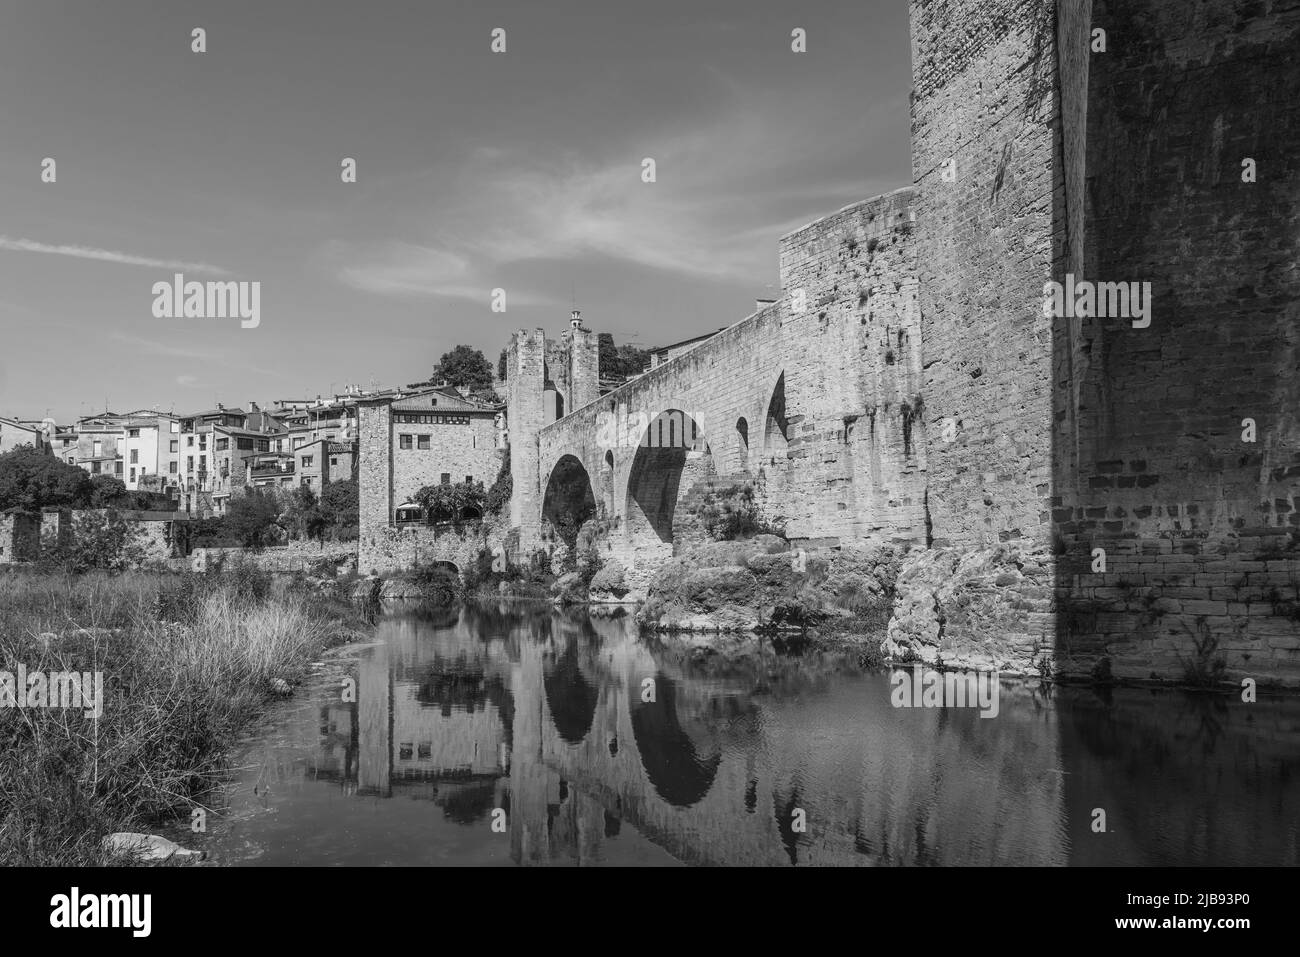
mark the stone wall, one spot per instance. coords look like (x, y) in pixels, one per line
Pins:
(985, 158)
(1200, 526)
(404, 548)
(20, 537)
(458, 451)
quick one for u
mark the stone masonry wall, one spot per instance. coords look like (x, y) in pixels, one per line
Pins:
(985, 165)
(1201, 528)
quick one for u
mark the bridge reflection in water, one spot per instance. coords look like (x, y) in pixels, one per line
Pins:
(545, 717)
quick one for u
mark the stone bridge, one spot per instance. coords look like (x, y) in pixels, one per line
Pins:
(813, 401)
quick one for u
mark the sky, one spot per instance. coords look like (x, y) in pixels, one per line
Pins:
(475, 170)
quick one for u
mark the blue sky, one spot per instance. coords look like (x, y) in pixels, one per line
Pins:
(475, 170)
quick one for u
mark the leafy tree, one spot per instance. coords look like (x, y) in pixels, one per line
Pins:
(340, 504)
(610, 365)
(31, 480)
(106, 491)
(452, 503)
(465, 367)
(100, 541)
(252, 518)
(498, 496)
(632, 361)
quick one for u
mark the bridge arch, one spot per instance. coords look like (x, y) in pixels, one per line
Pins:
(672, 456)
(569, 499)
(776, 428)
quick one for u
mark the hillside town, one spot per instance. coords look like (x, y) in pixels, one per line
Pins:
(188, 467)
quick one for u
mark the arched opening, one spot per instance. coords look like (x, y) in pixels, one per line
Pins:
(607, 484)
(742, 438)
(672, 456)
(569, 499)
(776, 433)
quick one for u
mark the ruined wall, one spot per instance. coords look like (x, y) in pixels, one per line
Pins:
(1200, 526)
(20, 537)
(986, 168)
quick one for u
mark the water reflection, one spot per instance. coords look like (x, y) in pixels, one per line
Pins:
(603, 747)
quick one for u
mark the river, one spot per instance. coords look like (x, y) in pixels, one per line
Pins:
(500, 736)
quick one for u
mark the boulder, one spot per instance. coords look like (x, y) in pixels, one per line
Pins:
(148, 848)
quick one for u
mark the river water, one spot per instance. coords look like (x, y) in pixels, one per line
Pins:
(500, 736)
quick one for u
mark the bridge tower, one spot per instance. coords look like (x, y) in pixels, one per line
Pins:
(545, 380)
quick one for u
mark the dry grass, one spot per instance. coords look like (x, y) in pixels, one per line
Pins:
(187, 662)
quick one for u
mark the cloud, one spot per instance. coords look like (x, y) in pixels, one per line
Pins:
(725, 192)
(107, 255)
(407, 269)
(157, 348)
(189, 381)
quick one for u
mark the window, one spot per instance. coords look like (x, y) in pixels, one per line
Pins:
(72, 460)
(117, 466)
(174, 446)
(298, 442)
(469, 479)
(132, 475)
(306, 461)
(424, 442)
(223, 444)
(244, 445)
(172, 468)
(97, 448)
(334, 460)
(404, 441)
(263, 445)
(94, 468)
(133, 433)
(176, 427)
(189, 441)
(189, 463)
(135, 456)
(446, 478)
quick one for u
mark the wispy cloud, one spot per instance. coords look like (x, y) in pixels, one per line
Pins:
(157, 348)
(699, 220)
(107, 255)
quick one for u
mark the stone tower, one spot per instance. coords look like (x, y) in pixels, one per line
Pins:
(545, 380)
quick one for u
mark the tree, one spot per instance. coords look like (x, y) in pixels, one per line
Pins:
(498, 496)
(466, 368)
(609, 363)
(452, 503)
(632, 361)
(251, 519)
(102, 541)
(31, 480)
(340, 504)
(106, 491)
(501, 366)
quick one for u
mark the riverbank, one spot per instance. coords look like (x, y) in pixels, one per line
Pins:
(186, 662)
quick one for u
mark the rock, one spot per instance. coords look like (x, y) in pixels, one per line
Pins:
(148, 848)
(281, 687)
(609, 584)
(569, 589)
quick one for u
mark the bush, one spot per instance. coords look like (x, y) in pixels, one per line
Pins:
(729, 513)
(99, 541)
